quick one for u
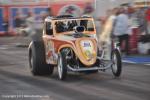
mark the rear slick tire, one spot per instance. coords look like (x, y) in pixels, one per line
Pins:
(37, 59)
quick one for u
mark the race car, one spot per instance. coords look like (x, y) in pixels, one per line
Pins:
(70, 44)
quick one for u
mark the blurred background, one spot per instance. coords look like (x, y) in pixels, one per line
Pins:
(22, 20)
(25, 17)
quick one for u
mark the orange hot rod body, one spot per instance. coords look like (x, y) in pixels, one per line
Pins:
(58, 41)
(70, 44)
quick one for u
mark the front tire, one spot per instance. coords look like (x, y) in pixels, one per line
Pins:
(37, 60)
(117, 64)
(62, 65)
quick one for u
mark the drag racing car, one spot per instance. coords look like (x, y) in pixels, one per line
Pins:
(70, 44)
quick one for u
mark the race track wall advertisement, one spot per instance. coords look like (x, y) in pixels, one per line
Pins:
(24, 11)
(55, 8)
(1, 20)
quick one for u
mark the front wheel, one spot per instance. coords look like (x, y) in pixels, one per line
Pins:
(62, 65)
(117, 64)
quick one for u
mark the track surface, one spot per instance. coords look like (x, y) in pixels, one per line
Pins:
(17, 83)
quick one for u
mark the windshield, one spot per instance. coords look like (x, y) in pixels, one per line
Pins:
(68, 25)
